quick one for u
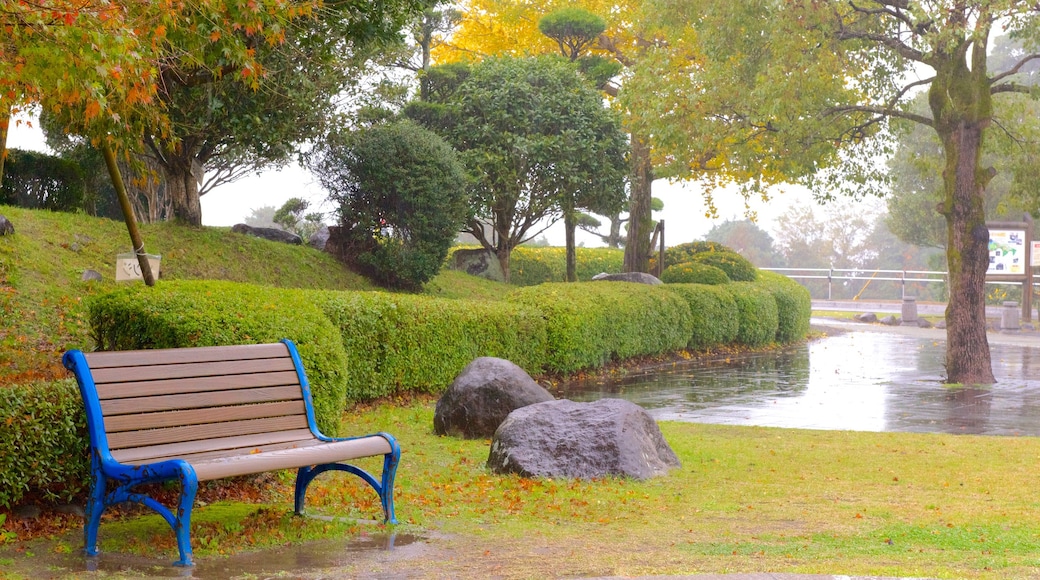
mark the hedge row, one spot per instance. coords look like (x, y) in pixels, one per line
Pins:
(361, 345)
(529, 266)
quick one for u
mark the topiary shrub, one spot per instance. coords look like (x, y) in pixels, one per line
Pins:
(177, 314)
(397, 342)
(737, 267)
(402, 196)
(794, 305)
(39, 181)
(693, 273)
(44, 443)
(591, 323)
(682, 253)
(715, 317)
(757, 309)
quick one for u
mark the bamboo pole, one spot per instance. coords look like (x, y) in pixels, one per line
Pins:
(128, 213)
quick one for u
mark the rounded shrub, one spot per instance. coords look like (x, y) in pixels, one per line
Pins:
(737, 267)
(794, 305)
(683, 253)
(693, 273)
(757, 309)
(715, 318)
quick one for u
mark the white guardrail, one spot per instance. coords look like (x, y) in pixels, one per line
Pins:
(864, 276)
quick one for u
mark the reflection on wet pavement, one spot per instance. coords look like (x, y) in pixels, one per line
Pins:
(864, 381)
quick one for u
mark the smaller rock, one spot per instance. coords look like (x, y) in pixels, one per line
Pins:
(638, 277)
(478, 262)
(866, 317)
(482, 396)
(27, 511)
(941, 324)
(75, 247)
(6, 227)
(83, 239)
(922, 323)
(319, 238)
(890, 321)
(91, 276)
(272, 234)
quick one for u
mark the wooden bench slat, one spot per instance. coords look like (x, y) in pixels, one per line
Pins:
(187, 370)
(196, 385)
(102, 360)
(290, 458)
(153, 437)
(199, 400)
(196, 457)
(135, 422)
(148, 454)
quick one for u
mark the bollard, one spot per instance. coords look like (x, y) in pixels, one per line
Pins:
(1009, 317)
(910, 311)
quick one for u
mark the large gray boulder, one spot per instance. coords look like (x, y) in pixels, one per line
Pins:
(482, 396)
(609, 437)
(273, 234)
(639, 277)
(478, 262)
(6, 227)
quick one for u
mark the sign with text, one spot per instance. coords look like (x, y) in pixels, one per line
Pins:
(1007, 252)
(128, 268)
(1034, 255)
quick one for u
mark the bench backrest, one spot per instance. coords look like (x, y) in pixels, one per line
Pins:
(148, 405)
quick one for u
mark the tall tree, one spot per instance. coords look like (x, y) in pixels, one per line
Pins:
(775, 92)
(536, 137)
(747, 239)
(494, 27)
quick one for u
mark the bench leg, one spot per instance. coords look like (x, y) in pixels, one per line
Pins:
(189, 487)
(94, 508)
(384, 487)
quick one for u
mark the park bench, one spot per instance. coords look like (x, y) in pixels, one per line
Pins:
(198, 414)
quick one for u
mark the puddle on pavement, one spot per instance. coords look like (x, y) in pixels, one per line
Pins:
(271, 563)
(864, 381)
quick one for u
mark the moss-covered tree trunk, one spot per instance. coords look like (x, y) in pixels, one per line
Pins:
(962, 108)
(570, 223)
(640, 222)
(182, 189)
(5, 120)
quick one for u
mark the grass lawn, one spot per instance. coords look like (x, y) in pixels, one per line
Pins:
(746, 499)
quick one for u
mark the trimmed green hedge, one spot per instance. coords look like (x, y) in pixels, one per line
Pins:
(529, 266)
(398, 342)
(681, 253)
(179, 314)
(693, 273)
(794, 305)
(714, 313)
(737, 267)
(759, 316)
(43, 443)
(592, 323)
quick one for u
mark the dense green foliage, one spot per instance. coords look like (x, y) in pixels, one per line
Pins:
(682, 253)
(39, 181)
(714, 314)
(209, 313)
(531, 265)
(759, 316)
(693, 273)
(43, 442)
(397, 343)
(794, 305)
(592, 323)
(737, 267)
(402, 199)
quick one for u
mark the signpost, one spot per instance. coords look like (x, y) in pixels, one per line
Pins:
(1012, 258)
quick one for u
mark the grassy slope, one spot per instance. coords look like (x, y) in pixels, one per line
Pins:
(42, 298)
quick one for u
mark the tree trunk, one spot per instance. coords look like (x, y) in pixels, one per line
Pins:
(570, 223)
(182, 188)
(640, 221)
(5, 121)
(967, 350)
(502, 252)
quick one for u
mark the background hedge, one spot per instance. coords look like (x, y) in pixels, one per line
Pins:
(715, 319)
(530, 265)
(693, 273)
(398, 342)
(759, 317)
(794, 305)
(591, 323)
(737, 267)
(177, 314)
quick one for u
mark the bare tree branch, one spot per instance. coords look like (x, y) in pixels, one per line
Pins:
(1015, 69)
(882, 111)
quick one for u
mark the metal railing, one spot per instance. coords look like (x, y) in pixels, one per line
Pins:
(862, 276)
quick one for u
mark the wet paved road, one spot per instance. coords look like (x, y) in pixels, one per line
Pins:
(874, 378)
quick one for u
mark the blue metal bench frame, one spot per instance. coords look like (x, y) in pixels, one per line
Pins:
(105, 469)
